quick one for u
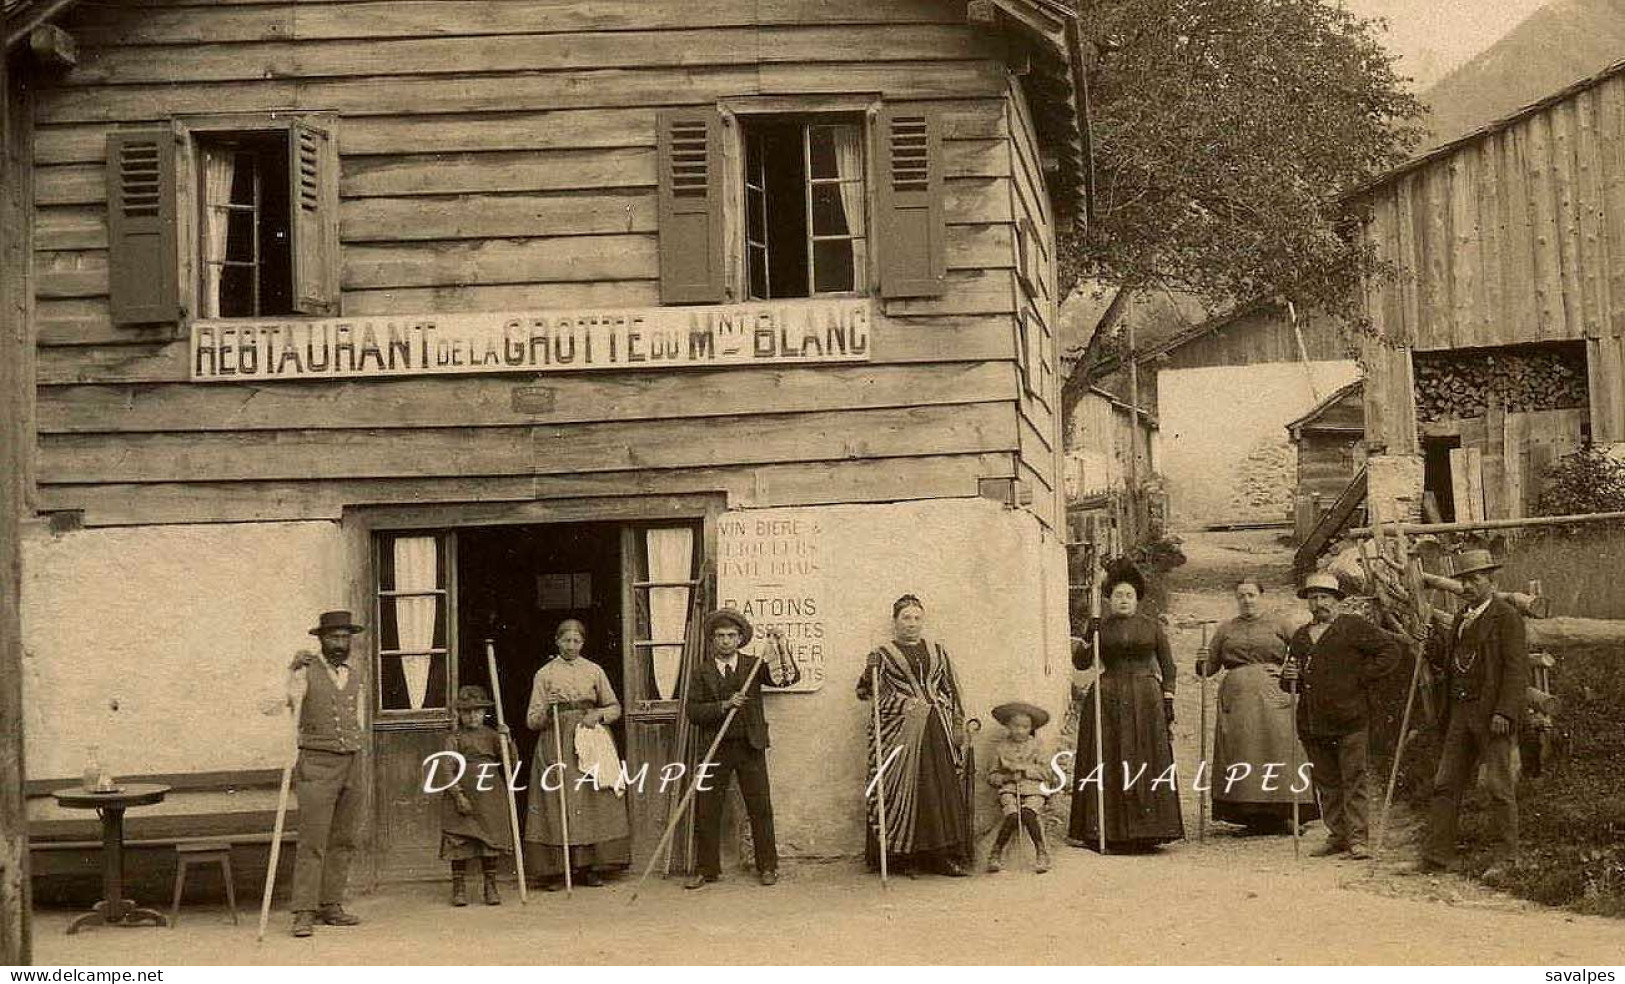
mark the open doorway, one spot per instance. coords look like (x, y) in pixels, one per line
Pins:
(1436, 478)
(515, 585)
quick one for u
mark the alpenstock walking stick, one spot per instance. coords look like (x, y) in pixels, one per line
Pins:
(699, 774)
(1100, 747)
(276, 830)
(507, 768)
(1297, 834)
(564, 801)
(1201, 755)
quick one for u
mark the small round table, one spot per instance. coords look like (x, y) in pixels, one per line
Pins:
(114, 909)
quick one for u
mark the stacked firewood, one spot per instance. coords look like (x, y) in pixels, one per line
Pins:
(1460, 384)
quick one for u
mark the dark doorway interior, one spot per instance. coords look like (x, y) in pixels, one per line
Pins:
(1436, 474)
(515, 585)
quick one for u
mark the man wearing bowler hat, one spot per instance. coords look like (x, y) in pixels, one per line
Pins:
(1335, 659)
(325, 693)
(1484, 658)
(718, 687)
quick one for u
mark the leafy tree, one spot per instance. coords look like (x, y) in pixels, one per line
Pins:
(1225, 133)
(1585, 481)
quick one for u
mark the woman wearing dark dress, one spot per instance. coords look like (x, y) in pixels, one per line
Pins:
(1137, 707)
(927, 823)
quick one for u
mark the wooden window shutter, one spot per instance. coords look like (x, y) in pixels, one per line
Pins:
(143, 258)
(909, 213)
(692, 264)
(313, 200)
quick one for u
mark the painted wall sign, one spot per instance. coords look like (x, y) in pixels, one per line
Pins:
(764, 333)
(771, 568)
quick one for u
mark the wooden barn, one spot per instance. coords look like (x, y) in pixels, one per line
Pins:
(1499, 347)
(471, 316)
(1330, 445)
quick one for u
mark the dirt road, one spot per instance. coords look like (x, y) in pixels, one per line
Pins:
(1229, 900)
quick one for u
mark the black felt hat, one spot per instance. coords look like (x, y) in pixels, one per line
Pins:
(732, 617)
(333, 621)
(1037, 715)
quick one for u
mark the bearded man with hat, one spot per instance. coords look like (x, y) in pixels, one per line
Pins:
(1484, 659)
(718, 686)
(1337, 658)
(325, 694)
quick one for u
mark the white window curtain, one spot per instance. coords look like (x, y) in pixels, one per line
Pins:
(671, 558)
(849, 166)
(219, 171)
(415, 570)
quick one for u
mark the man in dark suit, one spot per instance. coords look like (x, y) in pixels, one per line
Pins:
(719, 685)
(1485, 662)
(1337, 656)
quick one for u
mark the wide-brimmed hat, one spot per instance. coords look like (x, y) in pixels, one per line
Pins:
(472, 695)
(331, 621)
(1474, 561)
(1324, 581)
(1037, 715)
(732, 617)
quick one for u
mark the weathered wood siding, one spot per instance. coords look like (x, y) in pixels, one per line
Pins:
(502, 156)
(1256, 336)
(1516, 234)
(1037, 302)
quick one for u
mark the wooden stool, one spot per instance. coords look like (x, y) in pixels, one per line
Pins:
(188, 853)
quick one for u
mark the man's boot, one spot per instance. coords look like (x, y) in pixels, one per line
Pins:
(459, 883)
(995, 857)
(333, 914)
(488, 867)
(304, 923)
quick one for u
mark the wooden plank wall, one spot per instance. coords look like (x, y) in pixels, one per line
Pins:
(1516, 236)
(1261, 335)
(1037, 300)
(502, 156)
(1512, 452)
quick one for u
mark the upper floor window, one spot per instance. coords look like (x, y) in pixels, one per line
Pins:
(223, 217)
(806, 207)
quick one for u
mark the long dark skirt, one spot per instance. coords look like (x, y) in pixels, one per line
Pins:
(942, 827)
(1135, 736)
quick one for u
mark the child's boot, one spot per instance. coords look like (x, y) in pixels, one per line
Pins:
(488, 867)
(995, 857)
(459, 888)
(1035, 829)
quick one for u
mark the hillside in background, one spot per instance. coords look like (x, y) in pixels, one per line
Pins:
(1562, 42)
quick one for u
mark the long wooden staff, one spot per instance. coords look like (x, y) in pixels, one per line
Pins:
(699, 775)
(507, 769)
(1297, 832)
(1413, 570)
(564, 801)
(880, 776)
(1100, 747)
(276, 830)
(1201, 797)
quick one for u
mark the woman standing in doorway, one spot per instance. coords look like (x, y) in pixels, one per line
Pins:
(1137, 710)
(577, 692)
(1253, 733)
(927, 821)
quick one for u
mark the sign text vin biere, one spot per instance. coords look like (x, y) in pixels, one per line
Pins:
(764, 333)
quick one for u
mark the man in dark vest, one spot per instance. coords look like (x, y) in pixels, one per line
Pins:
(325, 692)
(1485, 662)
(1333, 661)
(719, 686)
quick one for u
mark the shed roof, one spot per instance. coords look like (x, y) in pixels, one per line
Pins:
(1324, 407)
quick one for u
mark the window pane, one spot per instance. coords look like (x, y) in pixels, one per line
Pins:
(237, 292)
(239, 235)
(837, 209)
(756, 216)
(758, 272)
(412, 683)
(835, 151)
(833, 266)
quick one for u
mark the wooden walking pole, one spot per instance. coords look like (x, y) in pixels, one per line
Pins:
(1100, 747)
(276, 829)
(507, 769)
(880, 775)
(564, 800)
(699, 774)
(1297, 832)
(1399, 751)
(1201, 797)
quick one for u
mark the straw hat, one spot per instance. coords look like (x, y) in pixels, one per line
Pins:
(731, 617)
(1037, 715)
(1323, 581)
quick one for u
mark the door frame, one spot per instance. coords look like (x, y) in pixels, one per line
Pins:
(361, 524)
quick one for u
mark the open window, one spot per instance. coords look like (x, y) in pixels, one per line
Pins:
(806, 206)
(228, 217)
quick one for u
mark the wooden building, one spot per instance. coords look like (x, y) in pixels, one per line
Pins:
(1510, 244)
(471, 316)
(1330, 445)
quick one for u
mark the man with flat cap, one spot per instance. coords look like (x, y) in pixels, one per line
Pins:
(719, 685)
(325, 694)
(1337, 657)
(1484, 657)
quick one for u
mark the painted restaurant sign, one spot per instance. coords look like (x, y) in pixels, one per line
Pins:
(760, 333)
